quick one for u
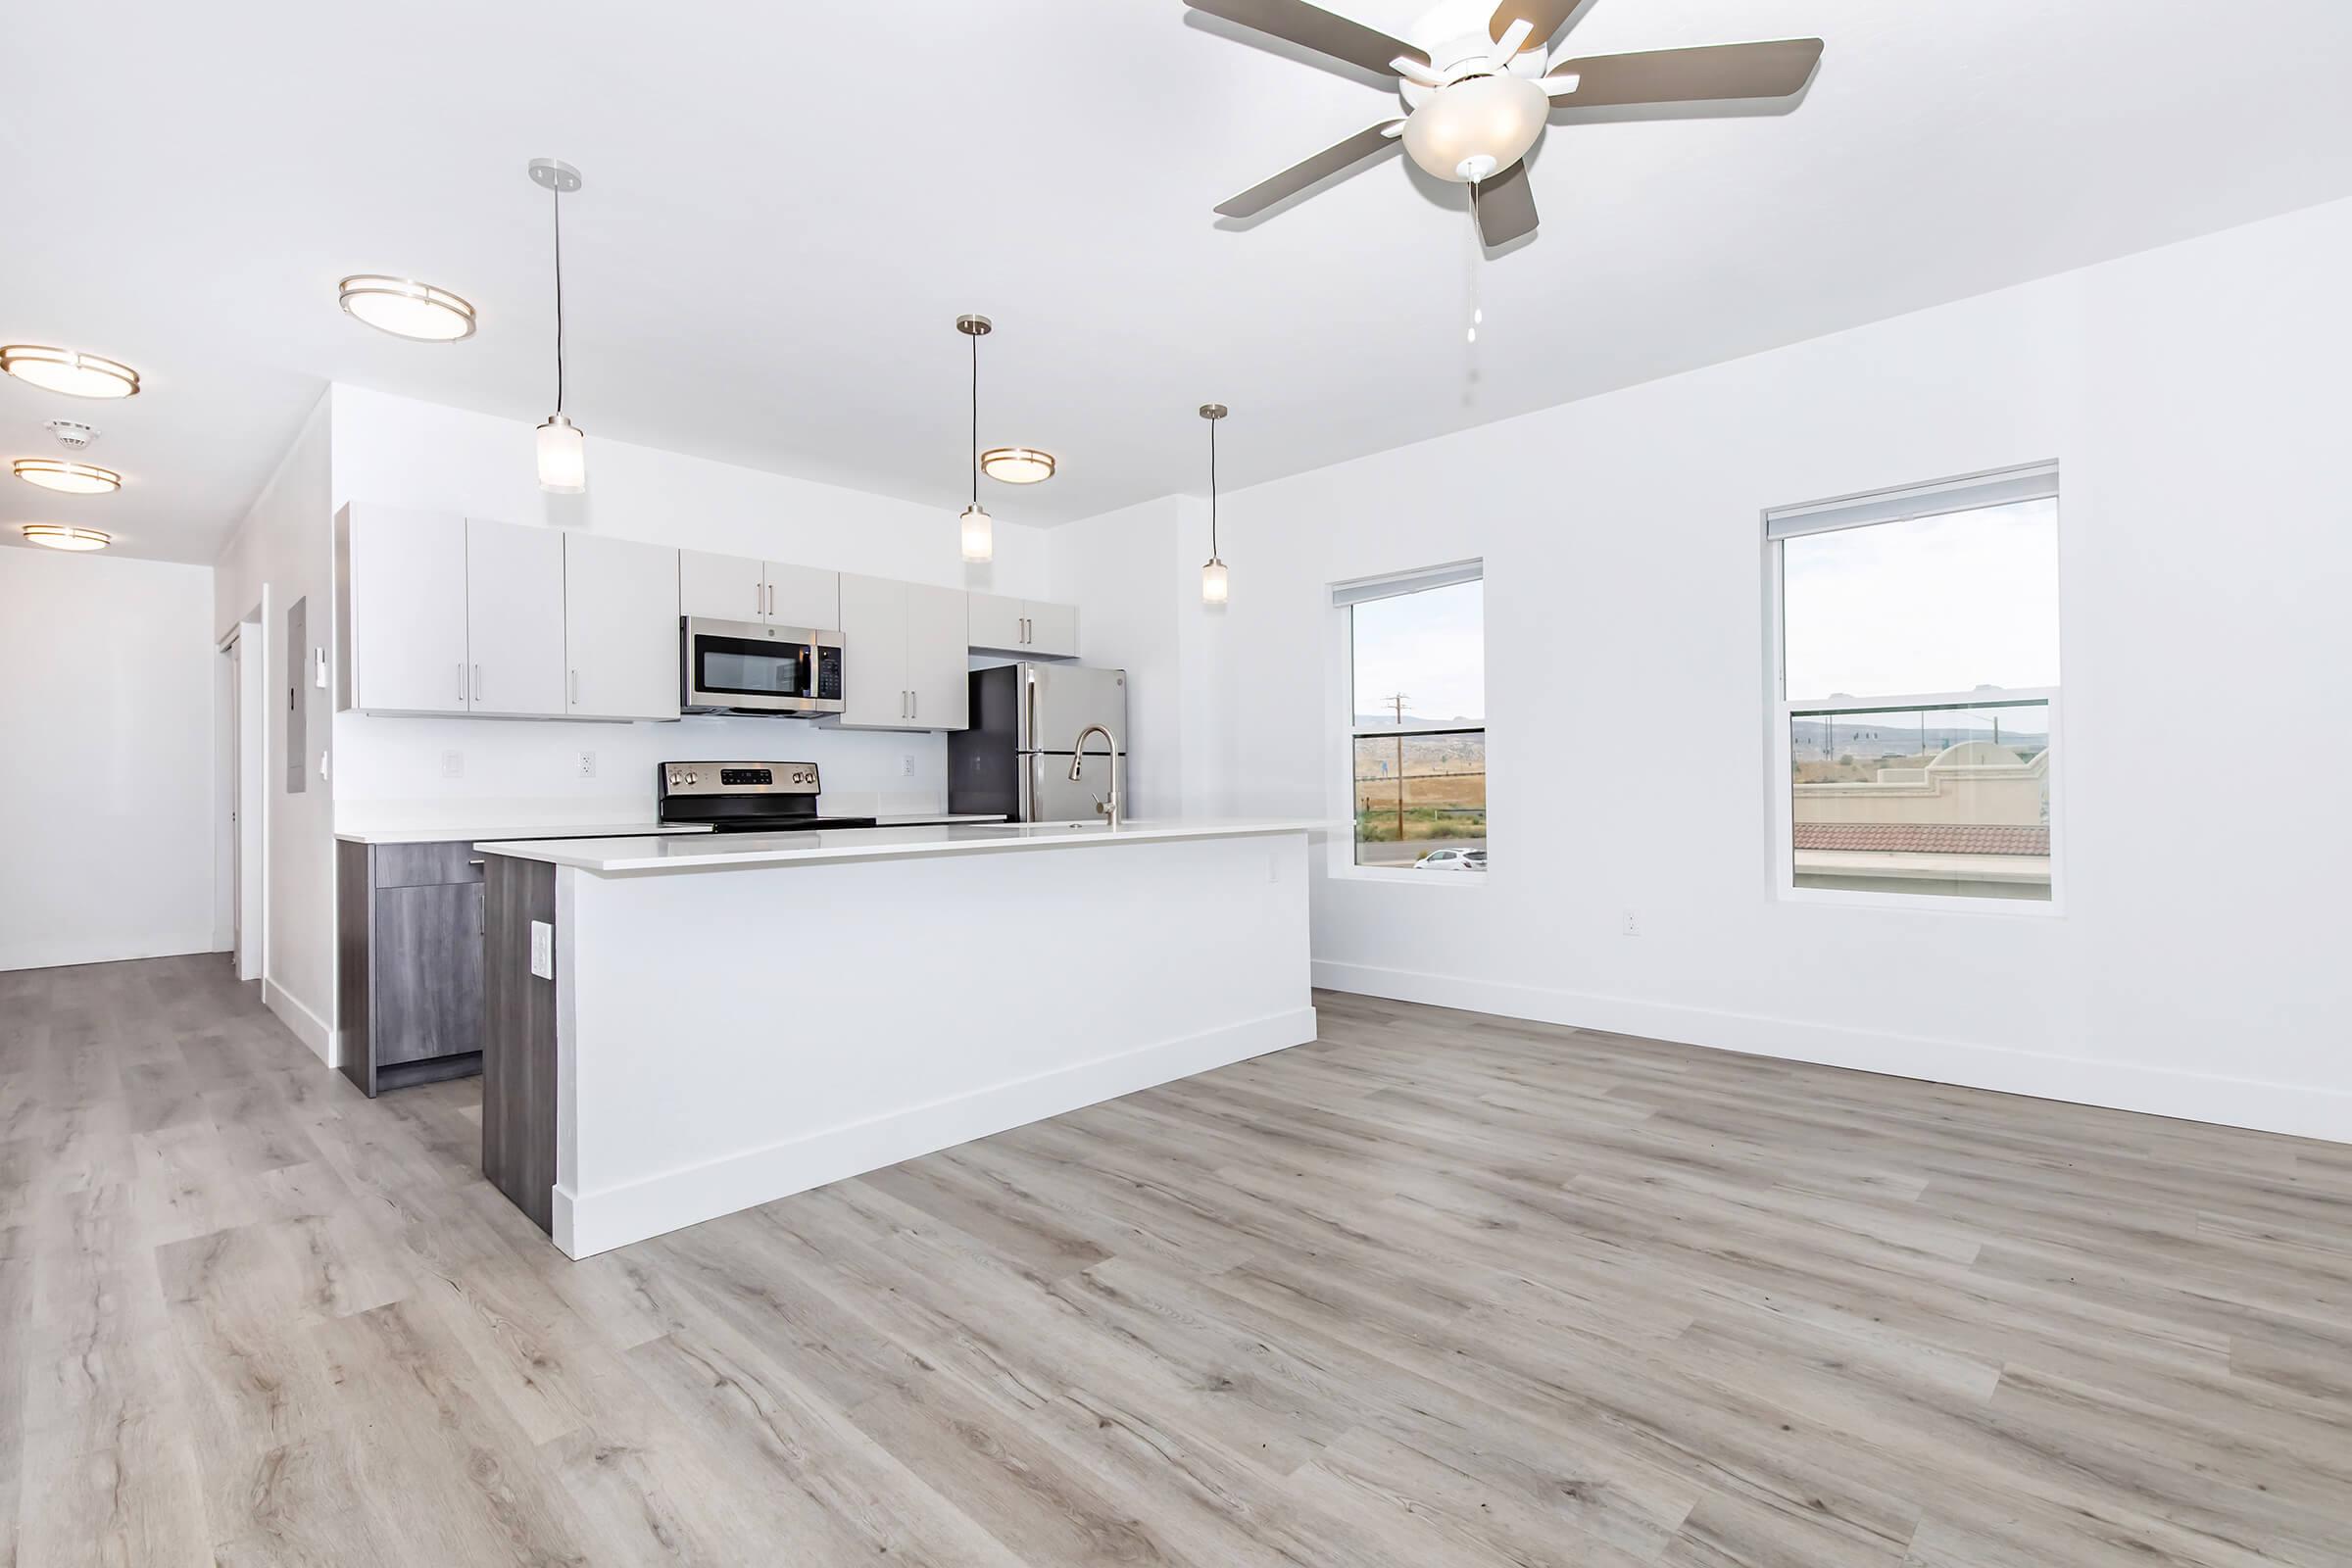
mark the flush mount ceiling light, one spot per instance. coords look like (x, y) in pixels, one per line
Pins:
(1215, 581)
(975, 530)
(563, 449)
(405, 307)
(60, 536)
(1017, 465)
(68, 370)
(66, 479)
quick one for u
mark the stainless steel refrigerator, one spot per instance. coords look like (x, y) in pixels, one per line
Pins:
(1014, 761)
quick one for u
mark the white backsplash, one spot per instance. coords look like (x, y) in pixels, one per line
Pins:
(391, 772)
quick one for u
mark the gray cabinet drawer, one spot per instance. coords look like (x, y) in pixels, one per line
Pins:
(428, 972)
(417, 865)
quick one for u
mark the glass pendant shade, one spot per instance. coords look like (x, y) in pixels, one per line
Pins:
(1477, 128)
(1214, 586)
(563, 456)
(979, 535)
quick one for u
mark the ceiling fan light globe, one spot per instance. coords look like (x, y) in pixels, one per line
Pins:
(1472, 129)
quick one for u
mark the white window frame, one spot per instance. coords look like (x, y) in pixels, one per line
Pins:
(1342, 598)
(1965, 493)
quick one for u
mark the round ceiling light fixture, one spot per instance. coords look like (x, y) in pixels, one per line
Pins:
(1017, 465)
(405, 307)
(1474, 128)
(62, 536)
(66, 477)
(69, 370)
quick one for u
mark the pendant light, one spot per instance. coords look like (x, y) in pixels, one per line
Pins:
(563, 449)
(1213, 578)
(975, 528)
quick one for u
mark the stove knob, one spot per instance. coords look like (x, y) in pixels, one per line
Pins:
(694, 778)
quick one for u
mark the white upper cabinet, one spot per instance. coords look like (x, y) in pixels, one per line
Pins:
(722, 587)
(902, 652)
(1032, 626)
(620, 628)
(804, 596)
(401, 600)
(873, 654)
(513, 619)
(938, 665)
(765, 592)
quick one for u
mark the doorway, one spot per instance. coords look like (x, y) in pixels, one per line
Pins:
(248, 794)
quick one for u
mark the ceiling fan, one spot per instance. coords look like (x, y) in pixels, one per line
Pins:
(1477, 100)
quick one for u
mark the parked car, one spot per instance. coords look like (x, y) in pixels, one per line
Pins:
(1453, 861)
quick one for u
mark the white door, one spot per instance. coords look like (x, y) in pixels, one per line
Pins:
(722, 587)
(406, 642)
(1053, 629)
(803, 597)
(873, 654)
(252, 795)
(995, 621)
(937, 657)
(513, 619)
(620, 628)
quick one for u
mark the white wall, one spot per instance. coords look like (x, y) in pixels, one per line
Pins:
(107, 779)
(2198, 400)
(405, 453)
(284, 550)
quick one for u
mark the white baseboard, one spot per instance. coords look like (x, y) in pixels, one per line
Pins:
(69, 954)
(2275, 1107)
(587, 1223)
(308, 1028)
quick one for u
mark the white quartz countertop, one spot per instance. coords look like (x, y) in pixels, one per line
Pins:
(658, 854)
(925, 819)
(513, 830)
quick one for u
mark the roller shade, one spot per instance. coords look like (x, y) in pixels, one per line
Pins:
(2004, 487)
(1407, 582)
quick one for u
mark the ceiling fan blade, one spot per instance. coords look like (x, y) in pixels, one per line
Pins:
(1505, 205)
(1772, 70)
(1546, 17)
(1330, 161)
(1317, 29)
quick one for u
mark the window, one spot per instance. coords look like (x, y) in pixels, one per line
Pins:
(1919, 689)
(1417, 719)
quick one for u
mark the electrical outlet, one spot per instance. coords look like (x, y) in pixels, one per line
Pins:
(1630, 925)
(906, 765)
(587, 765)
(453, 764)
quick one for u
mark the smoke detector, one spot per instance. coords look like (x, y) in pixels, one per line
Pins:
(71, 433)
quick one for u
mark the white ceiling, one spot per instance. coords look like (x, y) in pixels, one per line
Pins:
(786, 206)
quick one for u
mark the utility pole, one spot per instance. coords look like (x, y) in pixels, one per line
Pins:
(1397, 703)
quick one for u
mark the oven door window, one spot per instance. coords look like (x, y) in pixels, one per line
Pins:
(742, 667)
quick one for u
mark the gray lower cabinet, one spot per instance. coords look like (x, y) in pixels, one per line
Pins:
(409, 962)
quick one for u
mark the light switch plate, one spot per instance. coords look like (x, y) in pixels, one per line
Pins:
(543, 949)
(319, 675)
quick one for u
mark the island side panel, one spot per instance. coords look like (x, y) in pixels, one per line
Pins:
(737, 1035)
(518, 1039)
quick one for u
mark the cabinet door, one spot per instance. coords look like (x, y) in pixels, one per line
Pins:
(1053, 629)
(620, 628)
(995, 621)
(722, 587)
(513, 619)
(873, 654)
(426, 971)
(802, 596)
(405, 637)
(938, 661)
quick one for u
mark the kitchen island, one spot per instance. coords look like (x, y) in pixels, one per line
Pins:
(713, 1022)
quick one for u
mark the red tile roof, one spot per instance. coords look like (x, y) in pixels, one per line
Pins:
(1923, 838)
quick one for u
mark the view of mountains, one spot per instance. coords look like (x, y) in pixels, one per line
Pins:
(1886, 735)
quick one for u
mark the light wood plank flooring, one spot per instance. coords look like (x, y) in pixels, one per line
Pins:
(1438, 1289)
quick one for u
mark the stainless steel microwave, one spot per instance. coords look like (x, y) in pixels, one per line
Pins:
(749, 666)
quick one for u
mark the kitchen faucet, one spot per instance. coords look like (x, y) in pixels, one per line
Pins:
(1109, 808)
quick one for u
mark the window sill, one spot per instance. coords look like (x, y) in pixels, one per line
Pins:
(1406, 876)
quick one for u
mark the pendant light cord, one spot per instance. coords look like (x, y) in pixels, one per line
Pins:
(1212, 489)
(975, 418)
(557, 194)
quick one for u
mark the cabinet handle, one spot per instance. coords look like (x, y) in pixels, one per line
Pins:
(1024, 629)
(771, 599)
(758, 603)
(575, 688)
(477, 683)
(914, 704)
(460, 683)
